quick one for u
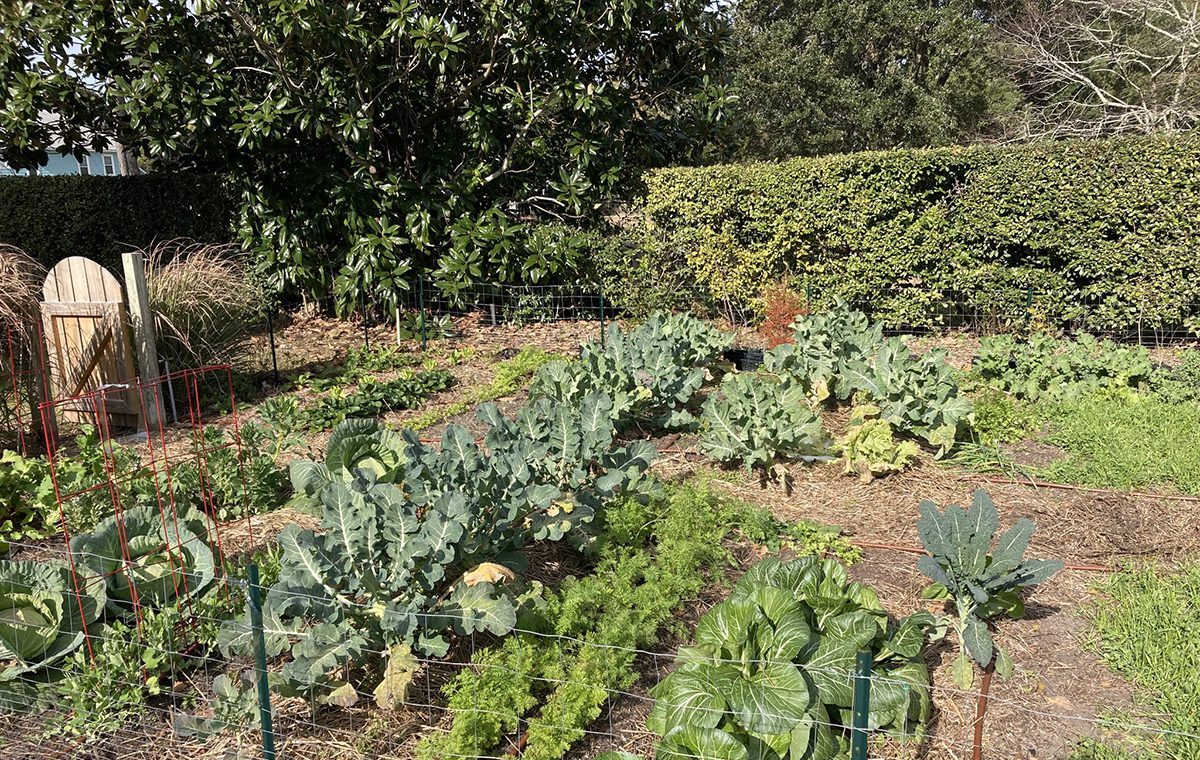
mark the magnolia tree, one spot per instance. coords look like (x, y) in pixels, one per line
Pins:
(372, 139)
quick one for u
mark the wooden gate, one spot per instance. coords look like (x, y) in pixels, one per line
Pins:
(87, 342)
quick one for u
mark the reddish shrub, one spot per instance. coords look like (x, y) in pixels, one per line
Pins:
(781, 306)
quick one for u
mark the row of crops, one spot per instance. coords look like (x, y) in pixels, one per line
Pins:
(422, 547)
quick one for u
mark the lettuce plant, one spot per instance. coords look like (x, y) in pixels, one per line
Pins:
(869, 448)
(757, 419)
(146, 558)
(770, 673)
(44, 611)
(981, 575)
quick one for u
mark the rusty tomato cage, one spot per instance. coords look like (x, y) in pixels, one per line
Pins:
(160, 479)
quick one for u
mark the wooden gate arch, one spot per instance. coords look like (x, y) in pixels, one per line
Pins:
(87, 342)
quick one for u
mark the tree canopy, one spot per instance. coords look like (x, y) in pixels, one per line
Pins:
(827, 76)
(370, 139)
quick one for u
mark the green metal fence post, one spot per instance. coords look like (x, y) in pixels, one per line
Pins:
(421, 306)
(260, 665)
(601, 289)
(862, 705)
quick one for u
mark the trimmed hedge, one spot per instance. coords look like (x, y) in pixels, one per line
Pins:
(51, 218)
(1104, 234)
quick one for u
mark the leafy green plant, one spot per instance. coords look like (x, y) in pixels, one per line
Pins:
(804, 537)
(918, 396)
(770, 672)
(758, 420)
(1001, 418)
(651, 372)
(437, 327)
(110, 685)
(44, 612)
(145, 560)
(982, 575)
(1180, 383)
(28, 510)
(870, 449)
(371, 397)
(1060, 369)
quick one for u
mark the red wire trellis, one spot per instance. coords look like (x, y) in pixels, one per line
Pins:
(174, 440)
(22, 387)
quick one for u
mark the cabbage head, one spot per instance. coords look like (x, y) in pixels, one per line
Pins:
(161, 561)
(42, 614)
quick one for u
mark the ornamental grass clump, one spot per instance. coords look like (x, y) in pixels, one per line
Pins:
(204, 299)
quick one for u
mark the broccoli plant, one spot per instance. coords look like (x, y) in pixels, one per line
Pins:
(651, 372)
(758, 419)
(981, 576)
(412, 555)
(917, 395)
(824, 346)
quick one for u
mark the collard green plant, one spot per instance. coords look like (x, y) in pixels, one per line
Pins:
(771, 672)
(983, 576)
(651, 373)
(146, 559)
(758, 420)
(1061, 369)
(869, 448)
(44, 611)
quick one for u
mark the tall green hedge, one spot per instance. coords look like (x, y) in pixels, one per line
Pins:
(51, 218)
(1105, 233)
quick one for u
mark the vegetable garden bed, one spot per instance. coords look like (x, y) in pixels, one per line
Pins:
(663, 391)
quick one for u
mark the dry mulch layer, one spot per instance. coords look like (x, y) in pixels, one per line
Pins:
(1061, 690)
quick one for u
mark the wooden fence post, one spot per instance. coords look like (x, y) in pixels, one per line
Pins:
(142, 321)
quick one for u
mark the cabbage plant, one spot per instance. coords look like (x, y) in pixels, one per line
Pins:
(44, 611)
(355, 446)
(146, 558)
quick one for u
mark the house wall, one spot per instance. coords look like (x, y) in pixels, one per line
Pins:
(58, 165)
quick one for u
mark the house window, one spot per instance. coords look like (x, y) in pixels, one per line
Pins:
(83, 166)
(110, 164)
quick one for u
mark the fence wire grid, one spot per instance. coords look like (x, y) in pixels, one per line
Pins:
(165, 692)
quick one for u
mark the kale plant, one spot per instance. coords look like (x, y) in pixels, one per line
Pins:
(983, 576)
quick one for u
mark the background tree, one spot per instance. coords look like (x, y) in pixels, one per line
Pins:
(1098, 67)
(373, 138)
(826, 76)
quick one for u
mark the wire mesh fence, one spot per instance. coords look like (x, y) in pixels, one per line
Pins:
(162, 688)
(427, 311)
